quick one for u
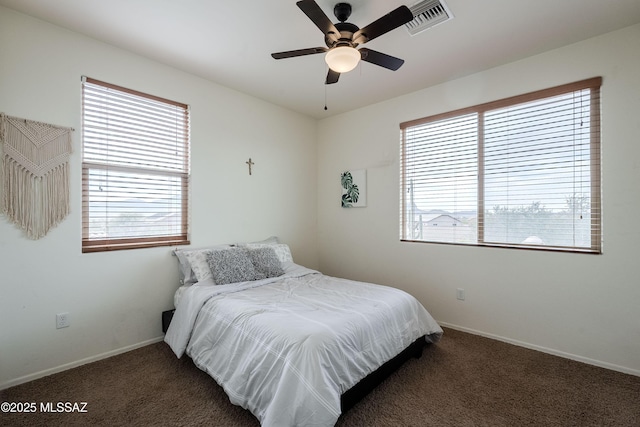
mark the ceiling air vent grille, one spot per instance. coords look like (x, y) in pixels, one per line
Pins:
(427, 14)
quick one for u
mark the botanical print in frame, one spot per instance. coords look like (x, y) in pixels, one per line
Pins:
(354, 188)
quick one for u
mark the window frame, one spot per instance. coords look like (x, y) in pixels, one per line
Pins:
(593, 84)
(182, 176)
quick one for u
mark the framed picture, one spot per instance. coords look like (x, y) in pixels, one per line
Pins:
(354, 188)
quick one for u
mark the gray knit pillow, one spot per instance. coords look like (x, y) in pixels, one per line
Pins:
(231, 266)
(266, 262)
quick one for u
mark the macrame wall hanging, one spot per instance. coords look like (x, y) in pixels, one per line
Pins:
(34, 174)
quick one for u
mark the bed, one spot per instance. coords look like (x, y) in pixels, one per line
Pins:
(298, 347)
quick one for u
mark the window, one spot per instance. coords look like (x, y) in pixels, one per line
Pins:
(135, 169)
(519, 172)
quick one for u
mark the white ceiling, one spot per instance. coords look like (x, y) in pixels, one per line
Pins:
(230, 42)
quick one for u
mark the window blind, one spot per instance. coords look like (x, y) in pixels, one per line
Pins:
(135, 169)
(519, 172)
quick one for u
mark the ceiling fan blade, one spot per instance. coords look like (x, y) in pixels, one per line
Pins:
(299, 52)
(381, 59)
(332, 77)
(313, 11)
(388, 22)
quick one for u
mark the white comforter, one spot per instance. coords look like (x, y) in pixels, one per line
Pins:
(286, 348)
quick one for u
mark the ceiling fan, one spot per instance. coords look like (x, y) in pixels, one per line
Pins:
(343, 37)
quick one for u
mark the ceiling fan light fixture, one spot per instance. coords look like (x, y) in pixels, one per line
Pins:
(342, 59)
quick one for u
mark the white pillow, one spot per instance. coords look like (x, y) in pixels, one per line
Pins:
(187, 276)
(273, 240)
(199, 264)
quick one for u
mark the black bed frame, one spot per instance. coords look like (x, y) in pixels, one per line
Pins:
(352, 396)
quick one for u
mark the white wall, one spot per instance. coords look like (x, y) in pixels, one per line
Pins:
(115, 299)
(581, 306)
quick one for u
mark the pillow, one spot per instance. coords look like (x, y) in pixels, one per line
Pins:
(230, 266)
(273, 240)
(266, 262)
(193, 263)
(282, 250)
(187, 276)
(198, 261)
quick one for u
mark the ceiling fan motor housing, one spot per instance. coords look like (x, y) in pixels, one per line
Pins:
(342, 11)
(347, 30)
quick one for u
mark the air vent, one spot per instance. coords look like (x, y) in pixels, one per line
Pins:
(427, 14)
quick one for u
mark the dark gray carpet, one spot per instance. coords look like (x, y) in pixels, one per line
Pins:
(464, 380)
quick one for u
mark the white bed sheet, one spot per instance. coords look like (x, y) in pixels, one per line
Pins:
(286, 348)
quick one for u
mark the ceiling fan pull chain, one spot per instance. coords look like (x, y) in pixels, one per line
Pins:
(325, 98)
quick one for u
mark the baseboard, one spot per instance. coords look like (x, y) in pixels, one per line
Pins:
(66, 366)
(55, 370)
(551, 351)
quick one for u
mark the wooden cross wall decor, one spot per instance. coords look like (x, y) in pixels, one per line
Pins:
(250, 163)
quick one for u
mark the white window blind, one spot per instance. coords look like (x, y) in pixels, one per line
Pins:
(519, 172)
(135, 169)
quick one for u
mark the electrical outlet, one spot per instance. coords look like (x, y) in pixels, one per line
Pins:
(62, 320)
(460, 294)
